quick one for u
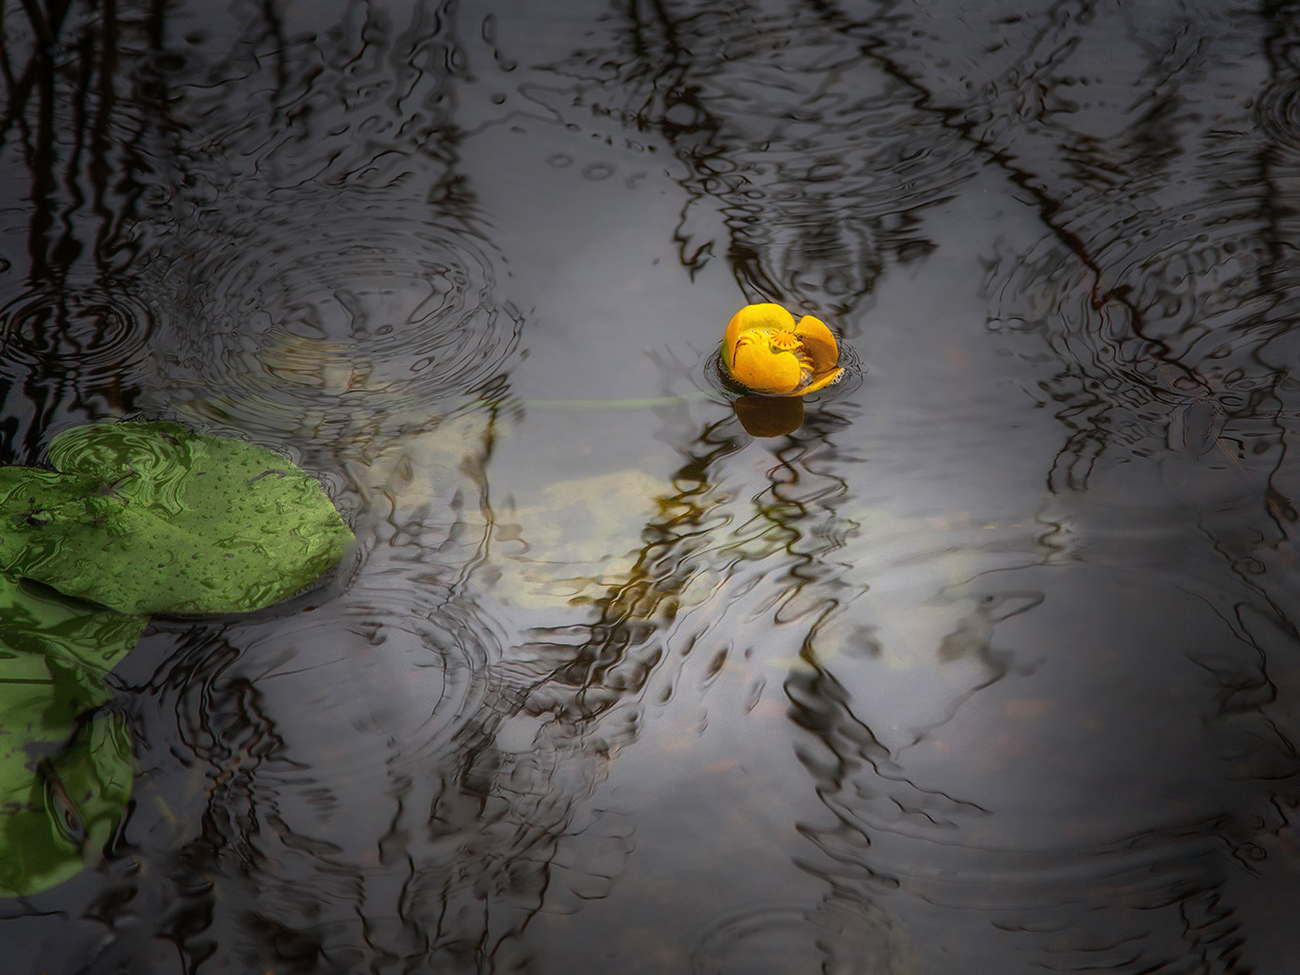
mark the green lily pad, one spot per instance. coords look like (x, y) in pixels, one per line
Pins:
(65, 770)
(153, 518)
(60, 811)
(36, 621)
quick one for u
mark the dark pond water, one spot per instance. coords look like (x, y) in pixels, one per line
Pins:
(991, 666)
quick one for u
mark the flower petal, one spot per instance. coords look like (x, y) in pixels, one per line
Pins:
(765, 315)
(759, 367)
(818, 344)
(821, 382)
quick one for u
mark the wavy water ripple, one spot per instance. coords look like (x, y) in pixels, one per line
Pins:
(789, 136)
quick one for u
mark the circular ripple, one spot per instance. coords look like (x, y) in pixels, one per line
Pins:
(1143, 320)
(1278, 113)
(374, 319)
(91, 336)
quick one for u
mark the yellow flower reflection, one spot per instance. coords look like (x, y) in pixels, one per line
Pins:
(765, 351)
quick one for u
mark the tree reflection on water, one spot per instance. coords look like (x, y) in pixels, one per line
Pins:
(75, 133)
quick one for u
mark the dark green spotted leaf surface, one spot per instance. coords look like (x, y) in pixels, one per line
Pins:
(153, 518)
(65, 767)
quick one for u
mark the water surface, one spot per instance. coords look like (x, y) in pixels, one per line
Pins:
(990, 666)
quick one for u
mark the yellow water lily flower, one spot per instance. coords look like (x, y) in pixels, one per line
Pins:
(766, 351)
